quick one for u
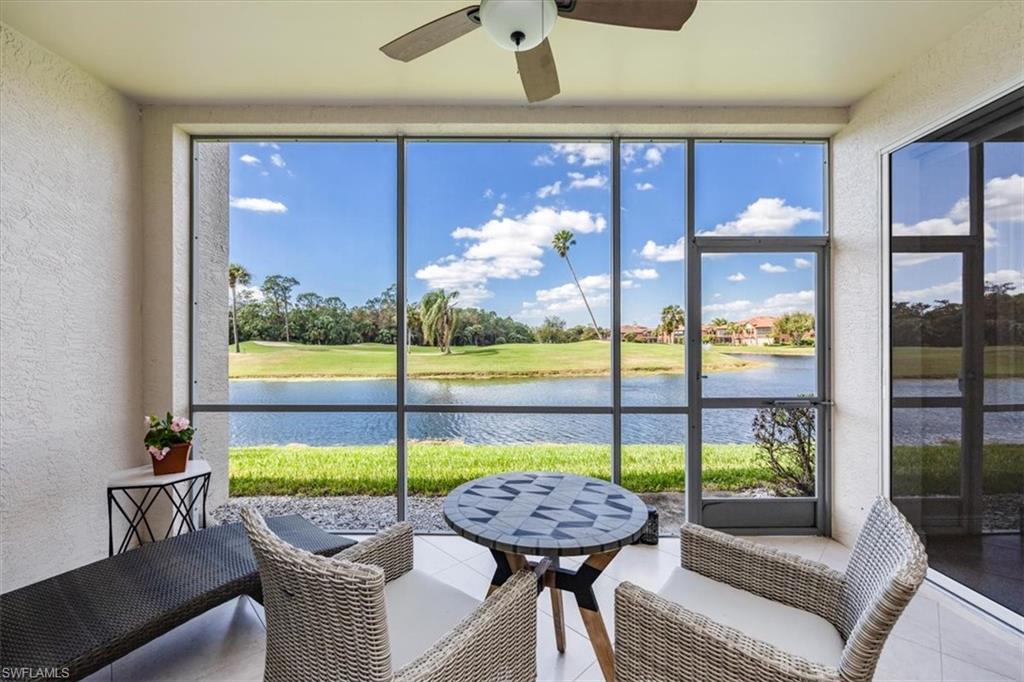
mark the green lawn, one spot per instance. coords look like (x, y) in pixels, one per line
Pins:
(935, 469)
(944, 363)
(437, 467)
(585, 358)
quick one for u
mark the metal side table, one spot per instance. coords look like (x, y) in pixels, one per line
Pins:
(182, 490)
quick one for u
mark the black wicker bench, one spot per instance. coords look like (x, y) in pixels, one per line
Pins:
(84, 619)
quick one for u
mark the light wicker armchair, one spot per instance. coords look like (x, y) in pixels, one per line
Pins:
(737, 610)
(367, 615)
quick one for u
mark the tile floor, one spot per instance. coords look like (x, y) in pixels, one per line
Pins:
(936, 639)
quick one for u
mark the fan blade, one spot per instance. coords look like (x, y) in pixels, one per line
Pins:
(664, 15)
(538, 73)
(427, 37)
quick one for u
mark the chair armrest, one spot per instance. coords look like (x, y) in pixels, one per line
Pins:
(391, 549)
(498, 641)
(657, 640)
(765, 571)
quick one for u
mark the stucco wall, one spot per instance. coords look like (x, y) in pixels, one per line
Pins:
(70, 308)
(980, 61)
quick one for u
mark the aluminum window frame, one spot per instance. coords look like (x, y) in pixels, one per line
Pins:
(775, 511)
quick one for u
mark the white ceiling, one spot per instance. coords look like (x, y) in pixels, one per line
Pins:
(731, 52)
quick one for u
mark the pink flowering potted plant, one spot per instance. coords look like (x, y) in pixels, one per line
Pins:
(169, 443)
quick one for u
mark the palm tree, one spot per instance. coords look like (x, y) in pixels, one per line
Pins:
(561, 243)
(439, 318)
(672, 318)
(237, 274)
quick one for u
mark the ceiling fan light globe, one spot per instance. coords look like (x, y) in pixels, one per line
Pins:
(527, 21)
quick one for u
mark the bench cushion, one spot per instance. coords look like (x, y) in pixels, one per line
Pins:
(88, 617)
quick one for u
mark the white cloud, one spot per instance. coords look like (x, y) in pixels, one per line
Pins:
(246, 293)
(566, 297)
(584, 153)
(488, 193)
(644, 186)
(550, 190)
(736, 277)
(802, 263)
(667, 253)
(498, 211)
(272, 145)
(580, 181)
(772, 268)
(641, 273)
(907, 260)
(1007, 276)
(766, 216)
(544, 160)
(258, 204)
(504, 248)
(773, 306)
(652, 156)
(277, 160)
(948, 290)
(722, 309)
(249, 160)
(953, 289)
(1004, 203)
(1004, 199)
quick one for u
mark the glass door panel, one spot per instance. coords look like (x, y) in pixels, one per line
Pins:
(758, 325)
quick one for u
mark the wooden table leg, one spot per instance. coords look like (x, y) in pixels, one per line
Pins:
(591, 614)
(506, 566)
(557, 614)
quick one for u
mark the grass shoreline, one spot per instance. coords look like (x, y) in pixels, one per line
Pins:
(296, 362)
(435, 467)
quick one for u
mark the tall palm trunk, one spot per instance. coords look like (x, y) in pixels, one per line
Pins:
(234, 318)
(575, 279)
(287, 336)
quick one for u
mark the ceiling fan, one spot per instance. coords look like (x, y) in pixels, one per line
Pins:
(522, 26)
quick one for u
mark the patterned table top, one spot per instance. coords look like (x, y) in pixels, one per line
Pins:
(545, 513)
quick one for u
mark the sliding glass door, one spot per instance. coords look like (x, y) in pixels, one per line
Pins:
(957, 356)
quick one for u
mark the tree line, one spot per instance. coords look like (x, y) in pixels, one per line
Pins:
(941, 323)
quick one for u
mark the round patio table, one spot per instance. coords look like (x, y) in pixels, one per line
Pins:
(551, 515)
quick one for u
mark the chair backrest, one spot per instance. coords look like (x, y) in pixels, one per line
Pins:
(325, 616)
(886, 568)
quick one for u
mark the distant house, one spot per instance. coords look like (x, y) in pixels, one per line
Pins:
(757, 331)
(637, 333)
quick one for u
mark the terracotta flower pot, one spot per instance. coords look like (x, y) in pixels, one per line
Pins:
(174, 462)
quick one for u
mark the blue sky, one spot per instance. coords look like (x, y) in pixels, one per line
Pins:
(930, 197)
(480, 216)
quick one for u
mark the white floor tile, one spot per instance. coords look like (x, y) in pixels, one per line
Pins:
(462, 577)
(983, 646)
(458, 547)
(920, 622)
(643, 565)
(905, 660)
(225, 643)
(955, 670)
(553, 666)
(591, 674)
(429, 559)
(669, 546)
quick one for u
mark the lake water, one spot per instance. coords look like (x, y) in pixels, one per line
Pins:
(780, 376)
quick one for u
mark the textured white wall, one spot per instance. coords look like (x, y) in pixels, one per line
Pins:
(70, 317)
(981, 60)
